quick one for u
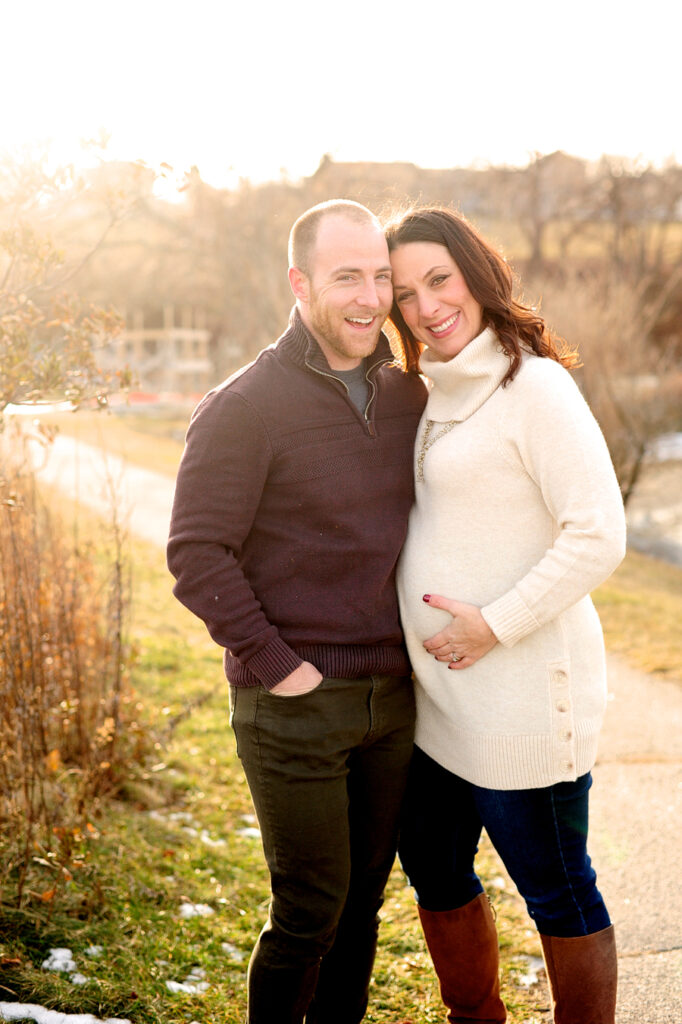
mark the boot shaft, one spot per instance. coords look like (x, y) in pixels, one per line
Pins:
(464, 949)
(582, 974)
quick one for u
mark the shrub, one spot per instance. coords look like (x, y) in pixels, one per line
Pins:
(69, 729)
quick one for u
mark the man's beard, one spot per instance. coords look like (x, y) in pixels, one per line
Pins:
(331, 327)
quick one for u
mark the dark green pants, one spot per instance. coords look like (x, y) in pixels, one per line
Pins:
(327, 773)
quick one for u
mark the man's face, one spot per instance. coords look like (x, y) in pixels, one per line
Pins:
(348, 294)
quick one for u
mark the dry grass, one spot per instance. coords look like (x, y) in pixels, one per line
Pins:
(640, 607)
(139, 867)
(68, 729)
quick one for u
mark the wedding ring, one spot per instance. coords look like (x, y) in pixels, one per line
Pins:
(453, 657)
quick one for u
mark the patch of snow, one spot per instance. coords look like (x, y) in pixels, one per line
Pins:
(208, 840)
(533, 965)
(94, 950)
(174, 817)
(204, 835)
(188, 910)
(232, 951)
(193, 984)
(190, 827)
(59, 960)
(30, 1011)
(250, 833)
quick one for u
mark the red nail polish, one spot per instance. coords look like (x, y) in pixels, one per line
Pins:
(426, 597)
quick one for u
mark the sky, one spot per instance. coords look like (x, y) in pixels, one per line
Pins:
(264, 90)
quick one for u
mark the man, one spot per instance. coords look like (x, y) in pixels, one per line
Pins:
(290, 512)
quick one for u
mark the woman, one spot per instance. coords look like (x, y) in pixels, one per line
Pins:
(518, 515)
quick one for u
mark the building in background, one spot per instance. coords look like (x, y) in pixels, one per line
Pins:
(170, 352)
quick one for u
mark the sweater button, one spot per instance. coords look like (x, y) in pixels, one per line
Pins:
(565, 735)
(566, 766)
(559, 676)
(563, 705)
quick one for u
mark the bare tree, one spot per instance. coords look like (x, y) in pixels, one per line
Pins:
(640, 207)
(632, 382)
(549, 197)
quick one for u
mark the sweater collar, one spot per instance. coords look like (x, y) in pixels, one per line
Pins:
(300, 346)
(461, 385)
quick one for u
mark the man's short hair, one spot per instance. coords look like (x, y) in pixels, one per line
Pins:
(303, 234)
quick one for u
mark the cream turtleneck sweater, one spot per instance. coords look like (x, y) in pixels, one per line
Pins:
(517, 511)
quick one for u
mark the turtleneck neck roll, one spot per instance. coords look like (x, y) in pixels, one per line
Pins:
(461, 385)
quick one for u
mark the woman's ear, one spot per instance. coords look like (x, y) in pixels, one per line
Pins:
(300, 285)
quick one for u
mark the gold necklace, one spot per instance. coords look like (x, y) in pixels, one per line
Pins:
(428, 441)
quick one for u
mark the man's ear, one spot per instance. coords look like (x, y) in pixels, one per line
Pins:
(300, 284)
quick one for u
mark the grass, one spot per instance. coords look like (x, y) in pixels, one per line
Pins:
(179, 837)
(640, 608)
(143, 861)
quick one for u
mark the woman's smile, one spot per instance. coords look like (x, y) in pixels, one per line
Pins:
(445, 325)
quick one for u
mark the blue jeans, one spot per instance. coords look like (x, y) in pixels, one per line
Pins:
(540, 835)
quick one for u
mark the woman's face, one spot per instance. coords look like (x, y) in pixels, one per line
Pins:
(434, 299)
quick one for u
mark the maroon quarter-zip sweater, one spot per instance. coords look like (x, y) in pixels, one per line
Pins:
(290, 512)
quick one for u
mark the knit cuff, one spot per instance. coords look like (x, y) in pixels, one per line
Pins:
(273, 663)
(509, 619)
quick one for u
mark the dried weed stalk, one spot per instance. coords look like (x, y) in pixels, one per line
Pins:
(69, 733)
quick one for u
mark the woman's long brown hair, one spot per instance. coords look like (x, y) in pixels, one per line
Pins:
(489, 279)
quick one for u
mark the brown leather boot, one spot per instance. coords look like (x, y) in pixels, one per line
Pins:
(464, 950)
(582, 975)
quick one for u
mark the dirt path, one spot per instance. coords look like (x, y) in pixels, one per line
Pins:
(636, 813)
(102, 482)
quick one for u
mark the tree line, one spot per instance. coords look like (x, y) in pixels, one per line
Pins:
(597, 246)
